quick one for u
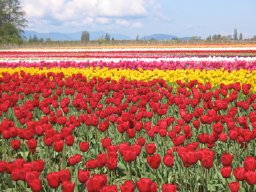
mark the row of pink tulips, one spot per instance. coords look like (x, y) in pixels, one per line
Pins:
(162, 65)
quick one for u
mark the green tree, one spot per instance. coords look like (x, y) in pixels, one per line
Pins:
(107, 37)
(85, 36)
(41, 40)
(9, 34)
(12, 21)
(235, 34)
(12, 13)
(35, 38)
(209, 38)
(240, 37)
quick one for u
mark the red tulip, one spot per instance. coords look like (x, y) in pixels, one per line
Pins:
(226, 159)
(129, 155)
(223, 137)
(64, 175)
(105, 142)
(39, 130)
(226, 171)
(17, 174)
(179, 140)
(141, 141)
(131, 133)
(31, 176)
(128, 186)
(233, 134)
(32, 144)
(70, 140)
(83, 176)
(67, 186)
(48, 141)
(239, 173)
(150, 148)
(250, 177)
(154, 161)
(58, 146)
(36, 185)
(234, 186)
(217, 127)
(109, 188)
(102, 159)
(250, 163)
(96, 183)
(169, 188)
(53, 179)
(207, 161)
(84, 146)
(38, 165)
(146, 185)
(203, 138)
(15, 144)
(168, 160)
(91, 164)
(74, 159)
(103, 126)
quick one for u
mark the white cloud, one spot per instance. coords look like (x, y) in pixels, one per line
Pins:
(73, 13)
(130, 24)
(137, 25)
(163, 17)
(101, 12)
(122, 22)
(103, 20)
(119, 8)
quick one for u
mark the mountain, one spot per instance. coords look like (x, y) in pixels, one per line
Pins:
(158, 37)
(95, 35)
(161, 37)
(99, 34)
(76, 36)
(56, 36)
(185, 38)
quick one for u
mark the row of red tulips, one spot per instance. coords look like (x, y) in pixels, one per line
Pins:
(127, 53)
(104, 135)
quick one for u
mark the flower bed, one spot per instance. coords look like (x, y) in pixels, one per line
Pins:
(128, 126)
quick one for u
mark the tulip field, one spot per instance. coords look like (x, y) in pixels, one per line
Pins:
(128, 119)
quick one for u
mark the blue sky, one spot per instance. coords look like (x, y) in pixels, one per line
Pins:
(143, 17)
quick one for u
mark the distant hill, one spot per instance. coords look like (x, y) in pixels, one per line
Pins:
(76, 36)
(95, 35)
(161, 37)
(158, 37)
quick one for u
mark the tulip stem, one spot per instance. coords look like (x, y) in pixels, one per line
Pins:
(226, 184)
(62, 165)
(130, 170)
(192, 188)
(157, 178)
(136, 174)
(111, 176)
(251, 188)
(186, 178)
(205, 179)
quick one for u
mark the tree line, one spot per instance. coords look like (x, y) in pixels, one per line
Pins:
(12, 21)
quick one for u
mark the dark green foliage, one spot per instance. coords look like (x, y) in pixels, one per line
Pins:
(12, 21)
(235, 34)
(85, 36)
